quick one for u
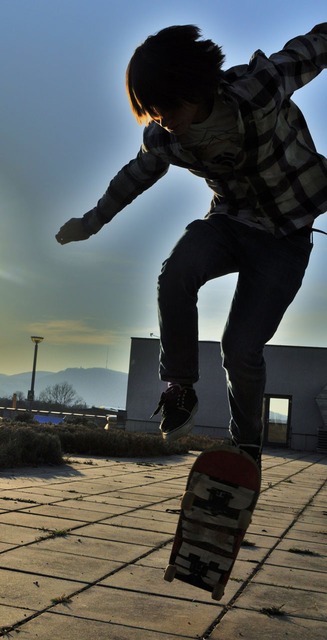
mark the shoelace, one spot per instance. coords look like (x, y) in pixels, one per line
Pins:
(168, 397)
(319, 231)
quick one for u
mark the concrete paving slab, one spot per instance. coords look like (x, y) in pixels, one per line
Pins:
(242, 570)
(18, 535)
(149, 492)
(59, 565)
(49, 495)
(23, 519)
(309, 527)
(299, 560)
(288, 577)
(10, 615)
(280, 495)
(288, 497)
(310, 537)
(133, 495)
(249, 625)
(261, 540)
(166, 506)
(115, 507)
(318, 548)
(4, 546)
(321, 499)
(267, 526)
(281, 515)
(252, 554)
(143, 611)
(74, 512)
(318, 519)
(177, 482)
(13, 504)
(133, 521)
(160, 514)
(275, 507)
(317, 508)
(158, 559)
(76, 545)
(109, 532)
(31, 591)
(290, 602)
(115, 500)
(50, 626)
(83, 486)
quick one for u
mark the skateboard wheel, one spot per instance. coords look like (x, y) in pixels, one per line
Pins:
(170, 573)
(218, 592)
(244, 520)
(187, 500)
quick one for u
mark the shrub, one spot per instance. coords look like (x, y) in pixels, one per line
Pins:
(31, 444)
(200, 443)
(22, 445)
(114, 443)
(25, 417)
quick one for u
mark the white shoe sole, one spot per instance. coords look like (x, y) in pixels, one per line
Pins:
(175, 434)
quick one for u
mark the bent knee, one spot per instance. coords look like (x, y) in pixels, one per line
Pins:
(177, 278)
(237, 355)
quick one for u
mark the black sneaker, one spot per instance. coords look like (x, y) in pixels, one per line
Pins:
(178, 406)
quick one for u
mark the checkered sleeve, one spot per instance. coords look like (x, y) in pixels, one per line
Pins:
(134, 178)
(301, 59)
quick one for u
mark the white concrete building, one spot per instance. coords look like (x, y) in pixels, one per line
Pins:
(295, 406)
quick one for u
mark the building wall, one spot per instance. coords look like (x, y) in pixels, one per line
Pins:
(300, 372)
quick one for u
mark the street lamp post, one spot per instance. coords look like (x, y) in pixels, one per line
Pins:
(30, 395)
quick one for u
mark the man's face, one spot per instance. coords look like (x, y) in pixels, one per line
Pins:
(178, 119)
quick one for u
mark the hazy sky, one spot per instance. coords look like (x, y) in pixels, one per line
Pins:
(66, 129)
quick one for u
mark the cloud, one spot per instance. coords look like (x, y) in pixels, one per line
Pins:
(61, 332)
(306, 328)
(14, 276)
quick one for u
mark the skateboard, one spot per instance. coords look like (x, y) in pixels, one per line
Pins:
(221, 492)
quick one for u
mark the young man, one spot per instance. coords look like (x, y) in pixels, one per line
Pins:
(240, 131)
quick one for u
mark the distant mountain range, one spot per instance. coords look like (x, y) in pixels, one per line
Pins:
(96, 386)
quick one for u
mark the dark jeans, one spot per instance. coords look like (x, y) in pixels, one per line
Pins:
(270, 274)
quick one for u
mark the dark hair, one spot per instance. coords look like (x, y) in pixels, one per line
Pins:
(170, 67)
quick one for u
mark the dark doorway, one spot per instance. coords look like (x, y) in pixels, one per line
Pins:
(277, 420)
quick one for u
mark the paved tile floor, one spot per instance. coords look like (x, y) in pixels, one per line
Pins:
(83, 548)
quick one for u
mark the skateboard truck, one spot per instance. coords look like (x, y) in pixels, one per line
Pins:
(197, 567)
(218, 501)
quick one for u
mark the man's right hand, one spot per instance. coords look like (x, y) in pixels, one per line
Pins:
(72, 231)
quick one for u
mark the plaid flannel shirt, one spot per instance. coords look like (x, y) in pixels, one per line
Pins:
(277, 176)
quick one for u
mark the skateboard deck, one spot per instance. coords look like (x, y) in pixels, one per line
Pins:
(221, 492)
